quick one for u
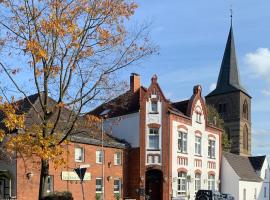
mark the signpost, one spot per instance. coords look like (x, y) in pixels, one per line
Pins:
(81, 173)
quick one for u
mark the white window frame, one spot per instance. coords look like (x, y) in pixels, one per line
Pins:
(198, 145)
(99, 157)
(211, 182)
(211, 148)
(81, 159)
(154, 134)
(198, 181)
(182, 183)
(97, 191)
(120, 182)
(198, 117)
(156, 106)
(182, 141)
(118, 158)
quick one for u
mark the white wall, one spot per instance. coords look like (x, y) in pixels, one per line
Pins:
(229, 179)
(191, 155)
(125, 127)
(250, 189)
(153, 118)
(265, 175)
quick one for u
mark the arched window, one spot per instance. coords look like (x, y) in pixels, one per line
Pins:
(245, 137)
(182, 183)
(245, 110)
(197, 182)
(211, 182)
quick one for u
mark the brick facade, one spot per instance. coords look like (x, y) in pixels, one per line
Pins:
(27, 189)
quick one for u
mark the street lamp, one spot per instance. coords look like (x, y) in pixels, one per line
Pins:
(103, 116)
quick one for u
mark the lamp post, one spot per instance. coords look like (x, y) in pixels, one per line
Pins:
(103, 116)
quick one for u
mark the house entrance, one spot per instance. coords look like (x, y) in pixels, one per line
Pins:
(153, 184)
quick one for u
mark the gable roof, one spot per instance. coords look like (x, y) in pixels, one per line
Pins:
(228, 79)
(126, 103)
(80, 134)
(257, 162)
(242, 167)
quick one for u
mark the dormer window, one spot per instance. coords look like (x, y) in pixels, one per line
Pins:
(154, 106)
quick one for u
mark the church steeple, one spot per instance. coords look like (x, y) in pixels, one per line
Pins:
(232, 101)
(228, 79)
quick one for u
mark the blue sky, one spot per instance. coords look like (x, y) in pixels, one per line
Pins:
(191, 35)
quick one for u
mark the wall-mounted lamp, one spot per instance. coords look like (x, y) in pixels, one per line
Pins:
(29, 175)
(109, 164)
(109, 178)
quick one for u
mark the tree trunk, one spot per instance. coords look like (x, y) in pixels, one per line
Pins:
(44, 172)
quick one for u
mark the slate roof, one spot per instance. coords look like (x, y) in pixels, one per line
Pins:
(242, 167)
(257, 162)
(228, 79)
(81, 133)
(181, 106)
(124, 104)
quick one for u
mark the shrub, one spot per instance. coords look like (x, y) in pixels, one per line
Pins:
(58, 196)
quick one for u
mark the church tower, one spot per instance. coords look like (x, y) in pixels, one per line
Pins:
(232, 101)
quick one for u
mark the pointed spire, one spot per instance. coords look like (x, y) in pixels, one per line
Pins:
(228, 79)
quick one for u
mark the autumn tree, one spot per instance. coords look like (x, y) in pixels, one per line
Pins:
(68, 50)
(215, 119)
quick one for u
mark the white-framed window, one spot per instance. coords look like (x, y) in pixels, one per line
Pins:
(264, 192)
(244, 194)
(99, 185)
(118, 158)
(211, 182)
(154, 106)
(4, 187)
(182, 183)
(153, 138)
(117, 186)
(79, 154)
(197, 182)
(211, 148)
(198, 117)
(182, 142)
(198, 145)
(99, 157)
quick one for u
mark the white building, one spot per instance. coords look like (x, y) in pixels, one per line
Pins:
(174, 151)
(246, 178)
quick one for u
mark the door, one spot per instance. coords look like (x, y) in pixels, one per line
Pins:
(153, 185)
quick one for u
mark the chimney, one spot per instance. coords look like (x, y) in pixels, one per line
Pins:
(135, 82)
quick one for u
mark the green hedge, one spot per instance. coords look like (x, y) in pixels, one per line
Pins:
(59, 196)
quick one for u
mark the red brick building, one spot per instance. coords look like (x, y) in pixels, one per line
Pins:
(19, 178)
(174, 150)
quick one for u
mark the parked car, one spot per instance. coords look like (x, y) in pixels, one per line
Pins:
(211, 195)
(227, 196)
